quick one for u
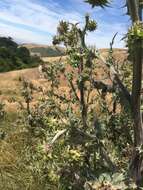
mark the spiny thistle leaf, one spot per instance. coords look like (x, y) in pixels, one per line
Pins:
(101, 3)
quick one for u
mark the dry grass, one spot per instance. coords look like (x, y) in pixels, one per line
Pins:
(14, 174)
(50, 59)
(10, 86)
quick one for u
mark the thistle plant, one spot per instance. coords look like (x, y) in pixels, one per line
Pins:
(135, 45)
(80, 59)
(27, 92)
(72, 126)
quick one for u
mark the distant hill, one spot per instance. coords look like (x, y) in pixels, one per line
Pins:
(14, 57)
(44, 50)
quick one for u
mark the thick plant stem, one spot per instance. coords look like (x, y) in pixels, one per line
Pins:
(136, 165)
(137, 159)
(82, 99)
(133, 10)
(136, 91)
(82, 83)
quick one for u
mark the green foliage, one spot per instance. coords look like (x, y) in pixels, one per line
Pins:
(71, 35)
(91, 25)
(112, 182)
(13, 57)
(78, 139)
(135, 34)
(8, 43)
(75, 139)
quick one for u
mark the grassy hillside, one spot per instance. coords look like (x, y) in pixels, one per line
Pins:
(10, 85)
(45, 51)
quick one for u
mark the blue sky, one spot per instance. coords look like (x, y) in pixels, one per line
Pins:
(35, 21)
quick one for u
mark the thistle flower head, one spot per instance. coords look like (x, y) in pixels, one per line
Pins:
(91, 26)
(63, 27)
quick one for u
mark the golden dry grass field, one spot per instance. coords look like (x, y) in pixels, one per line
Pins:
(10, 86)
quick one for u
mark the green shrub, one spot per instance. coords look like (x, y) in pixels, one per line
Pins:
(13, 57)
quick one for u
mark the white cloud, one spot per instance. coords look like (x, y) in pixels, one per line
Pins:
(35, 15)
(22, 35)
(40, 18)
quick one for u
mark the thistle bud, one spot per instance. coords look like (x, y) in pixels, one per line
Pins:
(55, 40)
(91, 26)
(63, 28)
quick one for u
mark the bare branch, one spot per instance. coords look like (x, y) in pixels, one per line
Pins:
(115, 77)
(74, 90)
(102, 86)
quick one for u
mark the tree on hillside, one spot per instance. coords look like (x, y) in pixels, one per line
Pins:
(135, 45)
(23, 53)
(8, 43)
(13, 57)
